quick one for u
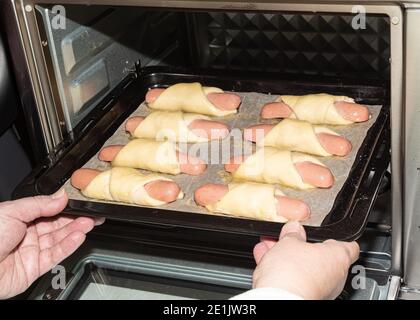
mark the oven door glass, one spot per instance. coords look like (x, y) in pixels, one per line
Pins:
(98, 283)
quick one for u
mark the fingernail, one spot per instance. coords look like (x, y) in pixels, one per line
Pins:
(59, 194)
(292, 227)
(99, 221)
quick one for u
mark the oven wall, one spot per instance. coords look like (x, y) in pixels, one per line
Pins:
(100, 46)
(291, 43)
(92, 49)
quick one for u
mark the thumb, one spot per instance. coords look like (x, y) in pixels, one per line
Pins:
(293, 230)
(30, 209)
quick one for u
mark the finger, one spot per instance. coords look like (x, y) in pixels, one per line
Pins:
(50, 257)
(51, 239)
(99, 221)
(259, 251)
(350, 249)
(353, 250)
(268, 239)
(269, 243)
(29, 209)
(48, 225)
(293, 230)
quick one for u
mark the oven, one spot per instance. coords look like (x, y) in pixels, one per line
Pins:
(83, 67)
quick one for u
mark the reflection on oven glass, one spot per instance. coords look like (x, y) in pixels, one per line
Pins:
(99, 283)
(95, 291)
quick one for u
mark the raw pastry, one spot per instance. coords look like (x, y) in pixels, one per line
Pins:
(124, 185)
(271, 165)
(189, 97)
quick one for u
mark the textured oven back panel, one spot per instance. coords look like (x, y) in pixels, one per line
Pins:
(294, 43)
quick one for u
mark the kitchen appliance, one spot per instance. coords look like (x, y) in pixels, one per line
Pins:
(82, 66)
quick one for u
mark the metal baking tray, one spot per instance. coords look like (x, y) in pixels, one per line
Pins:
(346, 220)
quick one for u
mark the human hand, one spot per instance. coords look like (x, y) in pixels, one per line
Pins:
(34, 240)
(313, 271)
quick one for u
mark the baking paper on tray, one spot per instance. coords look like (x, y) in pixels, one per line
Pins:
(319, 200)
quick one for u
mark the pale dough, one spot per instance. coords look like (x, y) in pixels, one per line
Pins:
(316, 108)
(274, 166)
(124, 185)
(172, 126)
(250, 200)
(149, 155)
(189, 97)
(295, 135)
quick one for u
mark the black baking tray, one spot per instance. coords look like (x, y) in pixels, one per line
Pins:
(346, 220)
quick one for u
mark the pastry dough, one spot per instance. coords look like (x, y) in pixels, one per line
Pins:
(124, 185)
(172, 126)
(316, 108)
(189, 97)
(149, 155)
(271, 165)
(250, 200)
(295, 135)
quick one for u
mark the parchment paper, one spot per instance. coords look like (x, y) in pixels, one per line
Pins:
(319, 200)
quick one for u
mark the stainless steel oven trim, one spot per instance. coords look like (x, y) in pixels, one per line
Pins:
(411, 239)
(39, 77)
(397, 108)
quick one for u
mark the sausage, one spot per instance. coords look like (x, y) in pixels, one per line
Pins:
(189, 165)
(210, 194)
(352, 111)
(288, 208)
(276, 110)
(311, 173)
(223, 101)
(132, 124)
(336, 145)
(234, 163)
(315, 174)
(349, 111)
(81, 178)
(163, 190)
(166, 191)
(209, 129)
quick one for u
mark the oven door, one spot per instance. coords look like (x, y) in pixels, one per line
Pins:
(121, 261)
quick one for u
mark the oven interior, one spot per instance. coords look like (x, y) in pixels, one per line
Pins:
(99, 46)
(96, 55)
